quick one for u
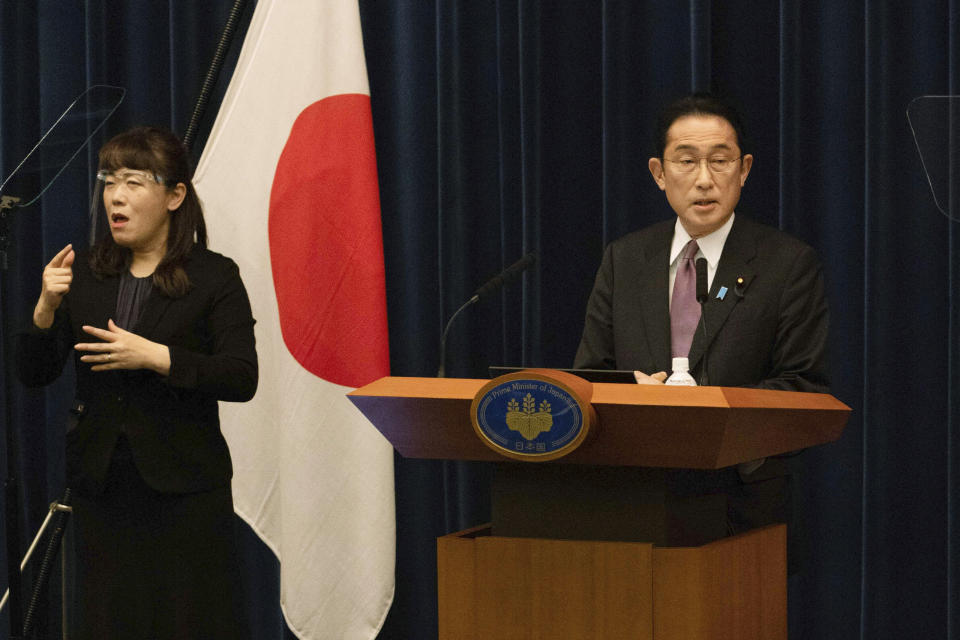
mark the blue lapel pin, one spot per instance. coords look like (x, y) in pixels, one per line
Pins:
(722, 293)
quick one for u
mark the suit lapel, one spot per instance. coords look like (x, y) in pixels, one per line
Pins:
(655, 301)
(738, 252)
(154, 307)
(105, 307)
(103, 302)
(157, 304)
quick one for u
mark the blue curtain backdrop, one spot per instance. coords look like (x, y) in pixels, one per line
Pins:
(512, 126)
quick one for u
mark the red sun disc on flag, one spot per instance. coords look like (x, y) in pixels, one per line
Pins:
(326, 246)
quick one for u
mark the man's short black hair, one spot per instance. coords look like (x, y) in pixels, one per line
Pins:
(698, 104)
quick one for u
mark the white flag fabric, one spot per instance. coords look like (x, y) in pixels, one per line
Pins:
(289, 188)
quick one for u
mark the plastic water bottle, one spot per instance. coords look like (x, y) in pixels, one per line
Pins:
(681, 374)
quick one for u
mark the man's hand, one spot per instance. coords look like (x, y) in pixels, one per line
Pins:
(121, 349)
(57, 276)
(656, 378)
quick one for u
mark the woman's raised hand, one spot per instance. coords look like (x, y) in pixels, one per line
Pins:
(57, 276)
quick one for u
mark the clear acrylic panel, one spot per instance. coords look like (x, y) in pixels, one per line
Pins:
(61, 143)
(935, 123)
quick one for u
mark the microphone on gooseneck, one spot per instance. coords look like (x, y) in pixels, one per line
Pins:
(703, 294)
(505, 276)
(489, 287)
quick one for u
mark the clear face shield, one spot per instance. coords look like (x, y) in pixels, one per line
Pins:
(107, 183)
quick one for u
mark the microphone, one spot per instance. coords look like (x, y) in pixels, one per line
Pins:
(488, 287)
(703, 295)
(505, 276)
(738, 288)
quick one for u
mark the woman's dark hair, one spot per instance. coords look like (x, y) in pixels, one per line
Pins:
(160, 152)
(698, 104)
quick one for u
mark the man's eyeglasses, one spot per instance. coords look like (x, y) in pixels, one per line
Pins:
(130, 179)
(716, 165)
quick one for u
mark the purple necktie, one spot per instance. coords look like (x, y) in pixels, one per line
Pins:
(684, 308)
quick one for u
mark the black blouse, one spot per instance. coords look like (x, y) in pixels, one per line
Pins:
(133, 293)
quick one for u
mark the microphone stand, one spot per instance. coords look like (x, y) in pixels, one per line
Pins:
(489, 287)
(703, 322)
(442, 369)
(59, 514)
(703, 295)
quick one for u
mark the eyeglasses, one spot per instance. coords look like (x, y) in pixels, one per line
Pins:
(131, 179)
(716, 165)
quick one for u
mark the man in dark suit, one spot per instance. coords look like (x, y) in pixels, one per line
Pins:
(765, 320)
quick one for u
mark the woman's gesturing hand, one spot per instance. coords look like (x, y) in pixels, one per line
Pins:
(57, 276)
(121, 349)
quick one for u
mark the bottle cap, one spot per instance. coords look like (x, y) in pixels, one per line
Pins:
(681, 364)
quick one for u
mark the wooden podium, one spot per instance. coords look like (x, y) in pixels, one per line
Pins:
(492, 586)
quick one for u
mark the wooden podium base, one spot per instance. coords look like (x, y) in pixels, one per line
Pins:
(506, 588)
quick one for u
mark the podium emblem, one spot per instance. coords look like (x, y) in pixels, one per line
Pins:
(530, 415)
(530, 422)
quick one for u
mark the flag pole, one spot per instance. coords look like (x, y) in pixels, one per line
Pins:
(213, 73)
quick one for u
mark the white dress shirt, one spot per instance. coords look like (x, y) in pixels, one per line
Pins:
(710, 247)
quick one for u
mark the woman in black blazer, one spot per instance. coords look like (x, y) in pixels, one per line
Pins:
(161, 330)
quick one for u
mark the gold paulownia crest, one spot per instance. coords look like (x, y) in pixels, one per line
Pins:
(530, 422)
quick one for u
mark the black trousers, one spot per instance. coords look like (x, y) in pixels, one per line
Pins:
(154, 566)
